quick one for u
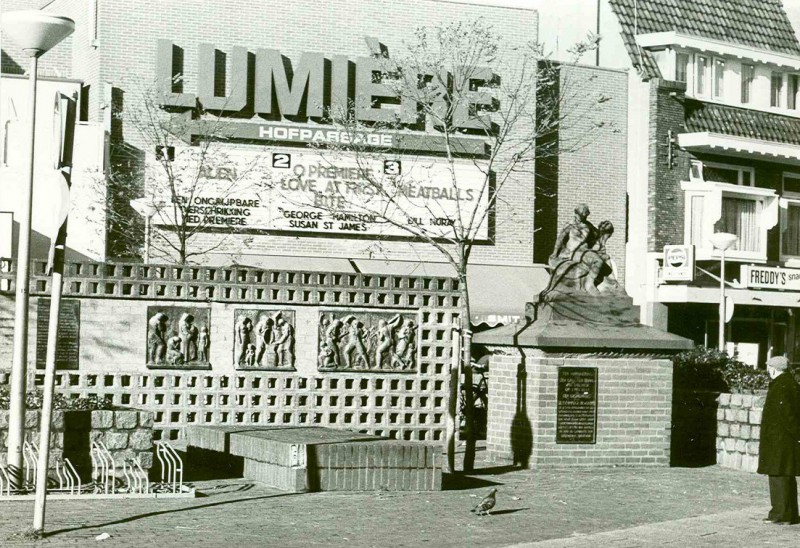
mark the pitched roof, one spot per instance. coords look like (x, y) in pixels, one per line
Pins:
(760, 24)
(741, 122)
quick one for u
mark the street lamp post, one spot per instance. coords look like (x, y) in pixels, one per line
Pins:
(35, 33)
(722, 241)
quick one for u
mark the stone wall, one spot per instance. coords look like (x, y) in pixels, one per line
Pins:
(127, 433)
(116, 303)
(739, 430)
(633, 409)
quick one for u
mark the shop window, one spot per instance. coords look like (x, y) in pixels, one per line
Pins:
(748, 75)
(776, 89)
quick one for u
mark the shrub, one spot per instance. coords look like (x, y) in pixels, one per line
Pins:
(33, 400)
(709, 369)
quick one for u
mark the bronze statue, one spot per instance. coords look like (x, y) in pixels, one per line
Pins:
(156, 338)
(579, 261)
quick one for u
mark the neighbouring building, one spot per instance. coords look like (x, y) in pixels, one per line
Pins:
(713, 146)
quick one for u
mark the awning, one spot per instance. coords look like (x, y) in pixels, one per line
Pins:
(497, 293)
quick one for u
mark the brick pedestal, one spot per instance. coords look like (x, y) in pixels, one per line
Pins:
(633, 409)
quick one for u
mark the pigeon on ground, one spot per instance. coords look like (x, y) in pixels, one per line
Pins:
(488, 502)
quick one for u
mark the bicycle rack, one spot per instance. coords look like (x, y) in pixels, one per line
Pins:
(135, 476)
(103, 466)
(5, 482)
(171, 466)
(30, 453)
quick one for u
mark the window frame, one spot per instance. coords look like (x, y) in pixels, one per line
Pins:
(776, 101)
(747, 84)
(701, 77)
(788, 199)
(712, 194)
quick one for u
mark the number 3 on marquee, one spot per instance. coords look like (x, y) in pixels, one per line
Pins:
(281, 160)
(392, 167)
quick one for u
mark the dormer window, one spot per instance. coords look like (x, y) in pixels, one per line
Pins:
(701, 74)
(681, 66)
(793, 82)
(776, 89)
(748, 75)
(719, 78)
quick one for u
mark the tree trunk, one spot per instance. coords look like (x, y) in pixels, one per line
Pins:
(469, 397)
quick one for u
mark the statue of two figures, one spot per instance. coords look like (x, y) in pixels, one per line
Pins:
(176, 345)
(579, 262)
(266, 344)
(386, 343)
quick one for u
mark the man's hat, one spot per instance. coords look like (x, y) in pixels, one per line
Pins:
(781, 363)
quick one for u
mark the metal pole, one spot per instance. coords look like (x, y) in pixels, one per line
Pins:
(451, 425)
(16, 421)
(722, 311)
(49, 381)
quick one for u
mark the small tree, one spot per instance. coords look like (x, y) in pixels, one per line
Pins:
(487, 112)
(176, 172)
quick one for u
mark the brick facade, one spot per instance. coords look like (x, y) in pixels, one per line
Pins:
(591, 165)
(633, 409)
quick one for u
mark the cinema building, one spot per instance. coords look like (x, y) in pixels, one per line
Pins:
(284, 267)
(713, 147)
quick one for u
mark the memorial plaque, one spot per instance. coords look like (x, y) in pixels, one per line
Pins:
(69, 331)
(576, 412)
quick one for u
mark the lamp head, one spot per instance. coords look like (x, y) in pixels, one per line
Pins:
(36, 32)
(723, 240)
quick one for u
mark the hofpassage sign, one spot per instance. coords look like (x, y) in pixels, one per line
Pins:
(766, 277)
(309, 191)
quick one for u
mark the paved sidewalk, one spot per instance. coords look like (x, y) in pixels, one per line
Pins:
(598, 507)
(736, 528)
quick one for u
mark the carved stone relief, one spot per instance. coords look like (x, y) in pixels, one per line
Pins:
(178, 337)
(264, 339)
(367, 341)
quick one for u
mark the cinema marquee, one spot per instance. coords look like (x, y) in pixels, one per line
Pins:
(311, 88)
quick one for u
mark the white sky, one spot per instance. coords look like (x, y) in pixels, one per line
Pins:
(567, 21)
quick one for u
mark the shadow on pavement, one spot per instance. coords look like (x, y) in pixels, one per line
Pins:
(162, 512)
(509, 511)
(457, 482)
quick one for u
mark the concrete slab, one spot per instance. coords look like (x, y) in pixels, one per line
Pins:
(324, 459)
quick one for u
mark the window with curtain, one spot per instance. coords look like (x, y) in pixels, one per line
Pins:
(681, 64)
(791, 235)
(696, 220)
(748, 75)
(740, 217)
(701, 64)
(776, 89)
(719, 78)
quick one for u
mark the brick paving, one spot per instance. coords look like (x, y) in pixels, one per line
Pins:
(565, 508)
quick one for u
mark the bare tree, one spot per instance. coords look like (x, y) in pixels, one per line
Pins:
(488, 113)
(176, 176)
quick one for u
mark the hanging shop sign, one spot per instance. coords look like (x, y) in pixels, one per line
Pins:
(766, 277)
(304, 191)
(678, 263)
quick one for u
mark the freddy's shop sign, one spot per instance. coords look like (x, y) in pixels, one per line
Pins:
(765, 277)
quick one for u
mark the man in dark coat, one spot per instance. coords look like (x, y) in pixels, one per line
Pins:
(779, 448)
